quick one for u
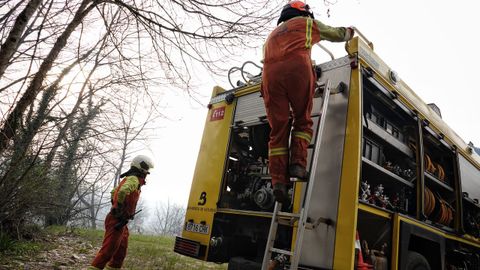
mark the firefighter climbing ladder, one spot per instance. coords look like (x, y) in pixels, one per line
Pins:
(289, 218)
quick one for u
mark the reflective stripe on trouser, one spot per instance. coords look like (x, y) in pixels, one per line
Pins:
(278, 163)
(277, 151)
(114, 246)
(285, 84)
(299, 145)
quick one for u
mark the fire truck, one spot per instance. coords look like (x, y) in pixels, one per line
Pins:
(391, 185)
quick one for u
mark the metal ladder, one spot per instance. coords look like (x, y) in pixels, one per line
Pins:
(286, 218)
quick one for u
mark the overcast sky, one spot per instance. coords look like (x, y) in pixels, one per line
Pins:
(433, 46)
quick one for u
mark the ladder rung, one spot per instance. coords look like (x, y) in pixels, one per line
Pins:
(281, 251)
(287, 215)
(286, 222)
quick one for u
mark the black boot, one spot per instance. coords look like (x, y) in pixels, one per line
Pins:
(280, 192)
(298, 173)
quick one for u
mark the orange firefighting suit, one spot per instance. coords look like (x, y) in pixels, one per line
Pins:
(288, 81)
(115, 242)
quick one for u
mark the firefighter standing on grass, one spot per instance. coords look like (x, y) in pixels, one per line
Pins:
(288, 81)
(124, 201)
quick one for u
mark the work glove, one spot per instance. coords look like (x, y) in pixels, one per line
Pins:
(350, 33)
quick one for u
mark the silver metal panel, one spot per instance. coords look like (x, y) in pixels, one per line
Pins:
(334, 64)
(380, 132)
(470, 176)
(318, 245)
(249, 108)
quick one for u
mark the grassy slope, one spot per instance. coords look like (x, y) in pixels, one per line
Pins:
(144, 252)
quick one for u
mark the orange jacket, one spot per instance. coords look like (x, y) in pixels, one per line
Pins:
(127, 193)
(296, 37)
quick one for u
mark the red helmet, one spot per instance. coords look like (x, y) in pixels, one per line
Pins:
(294, 9)
(298, 5)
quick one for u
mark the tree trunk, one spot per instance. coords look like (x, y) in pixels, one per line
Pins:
(9, 128)
(11, 43)
(68, 184)
(122, 160)
(93, 216)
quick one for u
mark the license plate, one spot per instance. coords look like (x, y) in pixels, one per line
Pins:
(198, 228)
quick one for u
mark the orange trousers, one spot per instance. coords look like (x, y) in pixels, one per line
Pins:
(114, 247)
(288, 83)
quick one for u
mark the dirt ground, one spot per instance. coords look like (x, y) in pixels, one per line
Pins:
(68, 251)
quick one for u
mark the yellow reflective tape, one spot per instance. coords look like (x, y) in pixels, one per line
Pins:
(279, 151)
(278, 148)
(308, 33)
(302, 135)
(278, 154)
(108, 267)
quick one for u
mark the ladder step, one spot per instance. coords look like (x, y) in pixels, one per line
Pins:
(287, 215)
(281, 251)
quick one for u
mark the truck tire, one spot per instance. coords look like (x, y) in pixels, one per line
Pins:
(416, 261)
(239, 263)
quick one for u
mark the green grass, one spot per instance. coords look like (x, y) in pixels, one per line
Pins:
(154, 252)
(151, 252)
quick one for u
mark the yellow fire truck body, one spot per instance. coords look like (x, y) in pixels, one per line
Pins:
(390, 171)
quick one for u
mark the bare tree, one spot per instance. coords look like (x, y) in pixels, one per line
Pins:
(178, 31)
(94, 196)
(168, 219)
(9, 127)
(60, 61)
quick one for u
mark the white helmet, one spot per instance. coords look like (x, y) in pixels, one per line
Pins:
(143, 163)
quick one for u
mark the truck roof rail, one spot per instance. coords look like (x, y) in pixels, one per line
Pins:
(370, 44)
